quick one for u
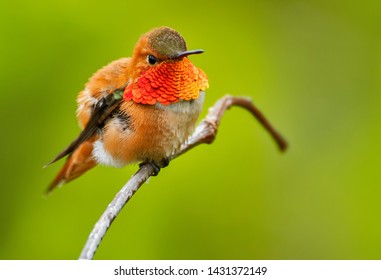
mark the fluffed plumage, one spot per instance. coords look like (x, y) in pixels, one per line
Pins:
(138, 109)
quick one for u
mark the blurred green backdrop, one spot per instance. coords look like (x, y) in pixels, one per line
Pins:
(313, 67)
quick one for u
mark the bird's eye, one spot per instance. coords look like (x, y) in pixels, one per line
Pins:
(151, 59)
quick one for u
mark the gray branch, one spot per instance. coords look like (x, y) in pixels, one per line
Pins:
(205, 133)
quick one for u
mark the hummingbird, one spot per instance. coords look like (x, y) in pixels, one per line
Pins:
(137, 109)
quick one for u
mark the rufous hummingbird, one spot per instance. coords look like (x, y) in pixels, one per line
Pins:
(138, 109)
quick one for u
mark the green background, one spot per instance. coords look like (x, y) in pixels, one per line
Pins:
(313, 67)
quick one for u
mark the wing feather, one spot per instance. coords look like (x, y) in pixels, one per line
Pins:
(103, 108)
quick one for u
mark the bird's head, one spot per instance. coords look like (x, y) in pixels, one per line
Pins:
(161, 71)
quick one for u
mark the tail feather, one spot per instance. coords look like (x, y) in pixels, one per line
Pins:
(76, 164)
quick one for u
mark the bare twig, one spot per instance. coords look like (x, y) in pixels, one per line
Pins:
(205, 133)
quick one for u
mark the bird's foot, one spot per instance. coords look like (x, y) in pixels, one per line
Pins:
(164, 162)
(156, 166)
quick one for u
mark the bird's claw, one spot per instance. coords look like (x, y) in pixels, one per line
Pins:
(155, 167)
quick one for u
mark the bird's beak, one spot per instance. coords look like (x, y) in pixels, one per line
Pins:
(186, 53)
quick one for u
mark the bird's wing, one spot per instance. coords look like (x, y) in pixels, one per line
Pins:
(102, 110)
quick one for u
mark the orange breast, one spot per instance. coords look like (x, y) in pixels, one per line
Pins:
(154, 133)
